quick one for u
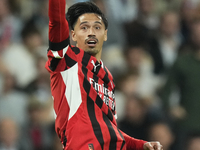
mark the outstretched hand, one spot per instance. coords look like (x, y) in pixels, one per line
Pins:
(153, 146)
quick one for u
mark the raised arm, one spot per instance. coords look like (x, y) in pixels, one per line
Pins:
(58, 25)
(58, 36)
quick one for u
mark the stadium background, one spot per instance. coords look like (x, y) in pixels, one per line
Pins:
(152, 51)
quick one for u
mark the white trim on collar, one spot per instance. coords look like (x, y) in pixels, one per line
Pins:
(101, 62)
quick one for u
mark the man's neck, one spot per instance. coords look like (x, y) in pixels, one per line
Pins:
(98, 59)
(98, 56)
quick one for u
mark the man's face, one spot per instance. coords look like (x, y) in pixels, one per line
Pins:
(89, 33)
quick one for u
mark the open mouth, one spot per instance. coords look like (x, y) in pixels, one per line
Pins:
(91, 42)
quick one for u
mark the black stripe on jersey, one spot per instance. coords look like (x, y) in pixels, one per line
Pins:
(53, 64)
(110, 115)
(84, 70)
(106, 79)
(58, 46)
(113, 136)
(69, 61)
(123, 143)
(85, 59)
(95, 124)
(86, 84)
(76, 50)
(99, 102)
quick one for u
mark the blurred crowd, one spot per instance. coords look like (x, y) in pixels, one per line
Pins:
(153, 52)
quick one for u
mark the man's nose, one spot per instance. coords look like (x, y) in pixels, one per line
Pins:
(91, 31)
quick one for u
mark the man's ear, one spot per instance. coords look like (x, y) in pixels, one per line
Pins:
(73, 36)
(105, 35)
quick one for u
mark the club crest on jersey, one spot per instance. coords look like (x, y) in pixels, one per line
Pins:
(90, 147)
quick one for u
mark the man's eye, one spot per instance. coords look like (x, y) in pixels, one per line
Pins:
(84, 28)
(97, 28)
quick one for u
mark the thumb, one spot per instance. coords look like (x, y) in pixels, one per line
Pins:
(151, 146)
(148, 146)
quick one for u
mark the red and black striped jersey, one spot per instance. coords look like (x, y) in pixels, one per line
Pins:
(83, 92)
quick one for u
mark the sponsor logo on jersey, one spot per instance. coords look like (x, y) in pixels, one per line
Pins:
(105, 94)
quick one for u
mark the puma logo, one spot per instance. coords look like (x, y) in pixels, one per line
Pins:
(95, 66)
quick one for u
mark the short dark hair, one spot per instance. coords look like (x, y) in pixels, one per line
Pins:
(81, 8)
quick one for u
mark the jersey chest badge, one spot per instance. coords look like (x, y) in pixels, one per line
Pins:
(90, 147)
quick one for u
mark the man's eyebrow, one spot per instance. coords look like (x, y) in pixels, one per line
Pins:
(84, 22)
(98, 22)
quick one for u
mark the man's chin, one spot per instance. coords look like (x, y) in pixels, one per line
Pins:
(91, 51)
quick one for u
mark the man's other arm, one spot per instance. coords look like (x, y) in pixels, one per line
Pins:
(132, 143)
(136, 144)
